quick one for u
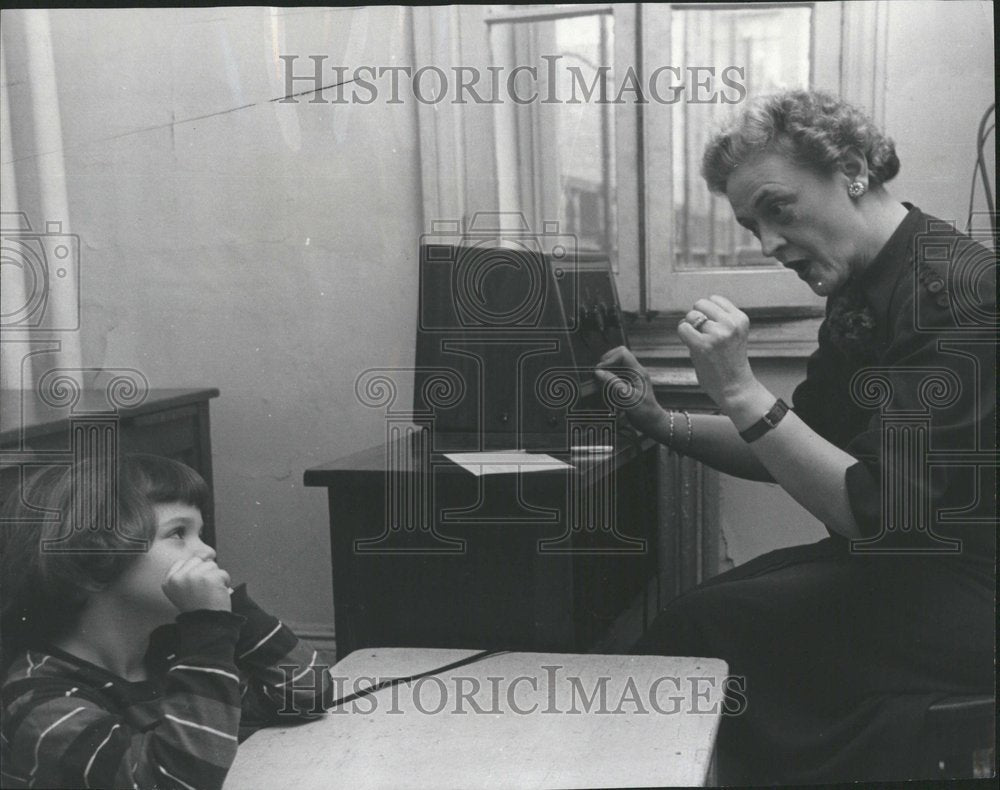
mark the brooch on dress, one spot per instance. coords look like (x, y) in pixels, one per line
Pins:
(851, 324)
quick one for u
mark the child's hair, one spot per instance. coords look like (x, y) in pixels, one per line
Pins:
(44, 587)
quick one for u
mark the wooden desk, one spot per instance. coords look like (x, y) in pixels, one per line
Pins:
(169, 422)
(426, 554)
(394, 739)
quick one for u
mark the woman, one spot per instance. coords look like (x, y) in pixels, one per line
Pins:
(844, 643)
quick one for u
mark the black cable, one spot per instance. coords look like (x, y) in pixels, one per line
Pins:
(986, 182)
(388, 682)
(972, 194)
(980, 140)
(980, 169)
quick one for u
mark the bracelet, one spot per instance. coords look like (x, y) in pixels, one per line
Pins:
(690, 433)
(670, 436)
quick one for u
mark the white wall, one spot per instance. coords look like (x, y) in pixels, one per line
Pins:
(268, 251)
(940, 78)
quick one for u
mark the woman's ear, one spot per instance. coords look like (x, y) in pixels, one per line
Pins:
(855, 166)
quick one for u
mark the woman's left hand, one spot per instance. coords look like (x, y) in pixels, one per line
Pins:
(718, 348)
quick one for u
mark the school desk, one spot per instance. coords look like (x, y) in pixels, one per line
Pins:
(524, 720)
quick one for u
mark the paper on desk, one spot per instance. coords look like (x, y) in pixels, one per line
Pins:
(505, 462)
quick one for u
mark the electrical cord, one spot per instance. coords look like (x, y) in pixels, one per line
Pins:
(389, 682)
(980, 169)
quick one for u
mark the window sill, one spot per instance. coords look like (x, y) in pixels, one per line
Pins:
(774, 333)
(676, 386)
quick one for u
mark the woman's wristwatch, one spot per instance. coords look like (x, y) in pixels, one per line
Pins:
(767, 422)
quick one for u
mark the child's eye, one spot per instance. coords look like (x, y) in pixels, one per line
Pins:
(176, 533)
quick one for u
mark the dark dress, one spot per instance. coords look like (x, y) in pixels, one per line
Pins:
(844, 647)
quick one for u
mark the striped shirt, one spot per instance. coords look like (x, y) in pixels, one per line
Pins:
(214, 677)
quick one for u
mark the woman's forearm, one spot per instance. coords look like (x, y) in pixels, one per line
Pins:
(805, 464)
(714, 441)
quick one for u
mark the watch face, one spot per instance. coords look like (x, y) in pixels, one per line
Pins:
(767, 422)
(773, 417)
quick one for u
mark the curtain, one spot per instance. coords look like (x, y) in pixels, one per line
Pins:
(40, 265)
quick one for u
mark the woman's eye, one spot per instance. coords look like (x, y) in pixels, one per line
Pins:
(780, 212)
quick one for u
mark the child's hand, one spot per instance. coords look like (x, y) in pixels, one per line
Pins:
(195, 583)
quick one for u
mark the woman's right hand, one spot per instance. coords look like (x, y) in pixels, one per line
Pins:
(197, 583)
(626, 381)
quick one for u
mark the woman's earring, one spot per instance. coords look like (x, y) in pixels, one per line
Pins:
(856, 189)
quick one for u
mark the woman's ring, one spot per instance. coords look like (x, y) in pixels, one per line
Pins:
(699, 322)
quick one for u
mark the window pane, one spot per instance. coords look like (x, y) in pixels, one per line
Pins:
(585, 132)
(773, 45)
(565, 147)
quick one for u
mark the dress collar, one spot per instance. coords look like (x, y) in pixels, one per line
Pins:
(879, 279)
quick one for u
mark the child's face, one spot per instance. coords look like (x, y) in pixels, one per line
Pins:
(178, 537)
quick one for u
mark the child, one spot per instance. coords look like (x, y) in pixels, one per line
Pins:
(131, 664)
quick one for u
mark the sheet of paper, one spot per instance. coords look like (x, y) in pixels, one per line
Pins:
(505, 462)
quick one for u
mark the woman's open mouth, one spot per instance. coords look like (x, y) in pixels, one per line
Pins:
(800, 267)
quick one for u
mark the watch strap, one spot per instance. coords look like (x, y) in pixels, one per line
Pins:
(767, 422)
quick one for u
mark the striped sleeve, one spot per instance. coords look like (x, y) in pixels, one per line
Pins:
(59, 734)
(287, 677)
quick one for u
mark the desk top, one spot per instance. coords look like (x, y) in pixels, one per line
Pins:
(526, 720)
(374, 459)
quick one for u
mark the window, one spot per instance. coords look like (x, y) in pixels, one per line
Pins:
(572, 158)
(772, 47)
(564, 147)
(694, 246)
(619, 166)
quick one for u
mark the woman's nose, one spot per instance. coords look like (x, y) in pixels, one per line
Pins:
(770, 242)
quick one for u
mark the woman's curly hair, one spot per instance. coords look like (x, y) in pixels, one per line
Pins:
(814, 128)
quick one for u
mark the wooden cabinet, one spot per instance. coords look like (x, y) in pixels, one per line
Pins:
(426, 554)
(168, 422)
